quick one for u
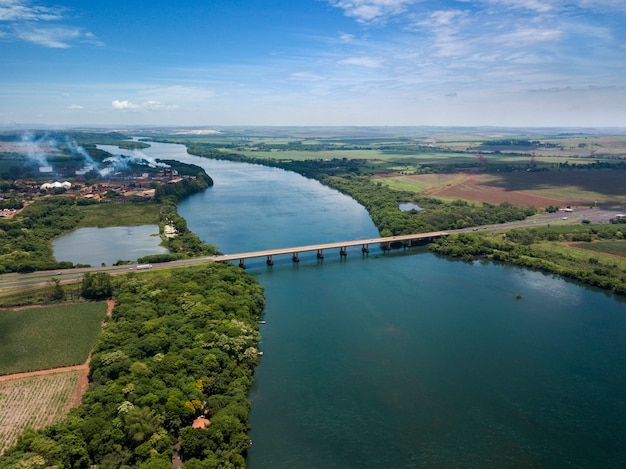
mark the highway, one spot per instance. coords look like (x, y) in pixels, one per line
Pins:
(13, 282)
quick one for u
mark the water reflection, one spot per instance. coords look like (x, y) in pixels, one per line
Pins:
(95, 246)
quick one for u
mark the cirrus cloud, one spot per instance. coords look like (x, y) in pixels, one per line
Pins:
(371, 10)
(22, 20)
(369, 62)
(20, 10)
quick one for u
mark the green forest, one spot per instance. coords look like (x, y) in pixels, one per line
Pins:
(177, 347)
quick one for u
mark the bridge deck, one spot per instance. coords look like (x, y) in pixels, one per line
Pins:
(322, 247)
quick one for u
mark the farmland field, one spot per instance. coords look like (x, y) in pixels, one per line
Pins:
(48, 337)
(540, 189)
(34, 402)
(616, 248)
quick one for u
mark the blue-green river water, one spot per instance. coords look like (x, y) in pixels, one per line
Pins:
(406, 359)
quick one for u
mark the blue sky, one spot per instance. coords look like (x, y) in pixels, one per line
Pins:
(313, 62)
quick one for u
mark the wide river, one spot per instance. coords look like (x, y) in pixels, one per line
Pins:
(406, 359)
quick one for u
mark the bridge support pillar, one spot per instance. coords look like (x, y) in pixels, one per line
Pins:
(242, 264)
(269, 260)
(365, 249)
(295, 257)
(320, 254)
(343, 252)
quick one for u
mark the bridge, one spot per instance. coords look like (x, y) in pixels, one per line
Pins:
(386, 243)
(16, 281)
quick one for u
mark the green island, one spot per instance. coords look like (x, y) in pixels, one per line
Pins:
(182, 344)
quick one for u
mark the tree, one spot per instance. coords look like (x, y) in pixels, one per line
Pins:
(140, 424)
(58, 294)
(97, 286)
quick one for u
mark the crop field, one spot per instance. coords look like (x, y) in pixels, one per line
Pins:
(423, 184)
(34, 402)
(539, 189)
(615, 248)
(48, 337)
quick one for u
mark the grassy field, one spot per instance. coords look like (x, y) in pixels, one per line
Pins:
(30, 338)
(34, 402)
(580, 257)
(106, 215)
(616, 248)
(577, 255)
(540, 189)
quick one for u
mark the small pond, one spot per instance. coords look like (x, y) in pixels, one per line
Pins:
(94, 246)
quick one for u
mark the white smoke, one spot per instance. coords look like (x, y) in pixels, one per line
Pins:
(76, 149)
(119, 162)
(37, 149)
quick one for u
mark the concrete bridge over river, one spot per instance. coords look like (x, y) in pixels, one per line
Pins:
(342, 246)
(15, 281)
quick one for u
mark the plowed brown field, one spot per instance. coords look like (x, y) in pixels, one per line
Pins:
(473, 189)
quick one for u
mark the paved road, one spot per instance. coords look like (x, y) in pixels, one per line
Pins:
(10, 283)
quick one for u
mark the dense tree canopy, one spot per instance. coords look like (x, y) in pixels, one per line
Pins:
(177, 347)
(25, 240)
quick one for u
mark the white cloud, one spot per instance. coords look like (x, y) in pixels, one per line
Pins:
(346, 37)
(21, 10)
(526, 36)
(126, 105)
(369, 62)
(540, 6)
(157, 106)
(24, 22)
(75, 107)
(555, 89)
(371, 10)
(306, 76)
(603, 4)
(443, 18)
(55, 37)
